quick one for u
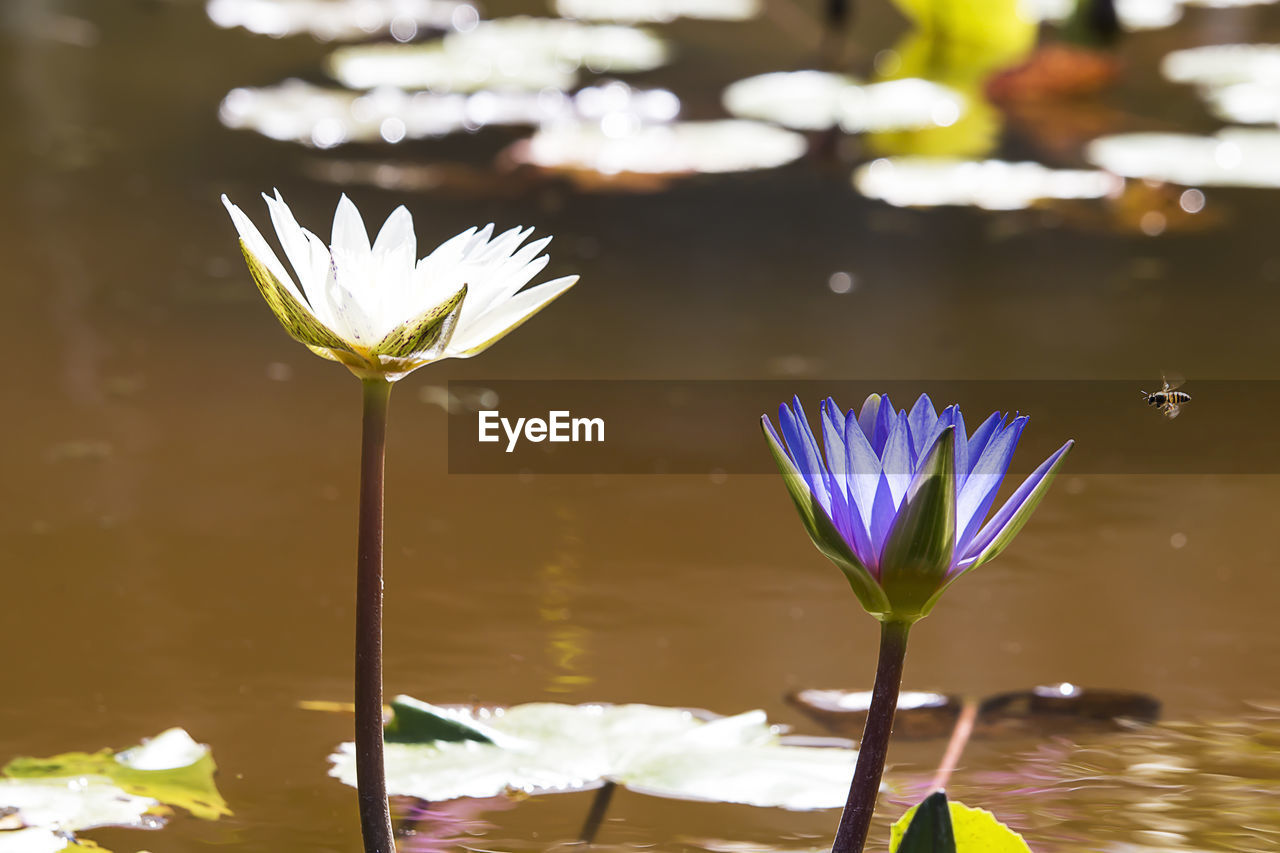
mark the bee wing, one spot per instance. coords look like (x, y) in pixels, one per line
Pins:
(1172, 410)
(1171, 380)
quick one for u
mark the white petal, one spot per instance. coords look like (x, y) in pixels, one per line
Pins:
(310, 267)
(260, 249)
(348, 230)
(485, 331)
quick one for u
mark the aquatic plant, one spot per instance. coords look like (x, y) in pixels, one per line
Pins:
(383, 313)
(899, 505)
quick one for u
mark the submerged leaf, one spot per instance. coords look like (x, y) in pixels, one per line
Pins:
(670, 752)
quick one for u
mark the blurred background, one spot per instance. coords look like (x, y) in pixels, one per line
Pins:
(179, 477)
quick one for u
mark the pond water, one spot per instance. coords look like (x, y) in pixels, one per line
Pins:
(179, 478)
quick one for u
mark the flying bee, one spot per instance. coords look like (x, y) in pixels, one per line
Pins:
(1168, 400)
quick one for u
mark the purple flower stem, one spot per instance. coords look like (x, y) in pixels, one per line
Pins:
(371, 776)
(855, 822)
(595, 817)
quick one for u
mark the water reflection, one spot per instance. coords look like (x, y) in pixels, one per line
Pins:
(657, 11)
(1237, 156)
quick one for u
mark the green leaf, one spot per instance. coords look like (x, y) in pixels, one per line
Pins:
(670, 752)
(297, 319)
(922, 541)
(418, 722)
(974, 831)
(823, 532)
(930, 828)
(171, 768)
(426, 336)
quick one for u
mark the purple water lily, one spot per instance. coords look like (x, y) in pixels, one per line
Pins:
(900, 500)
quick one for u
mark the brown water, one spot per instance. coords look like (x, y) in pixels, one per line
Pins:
(179, 478)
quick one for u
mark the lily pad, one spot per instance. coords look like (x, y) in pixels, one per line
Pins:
(170, 768)
(986, 184)
(820, 100)
(40, 840)
(680, 148)
(325, 117)
(527, 54)
(1237, 157)
(331, 20)
(666, 752)
(657, 11)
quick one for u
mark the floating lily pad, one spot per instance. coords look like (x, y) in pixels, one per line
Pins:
(331, 20)
(326, 117)
(71, 804)
(656, 11)
(1239, 157)
(1133, 15)
(511, 53)
(987, 184)
(666, 752)
(681, 148)
(820, 100)
(920, 714)
(170, 768)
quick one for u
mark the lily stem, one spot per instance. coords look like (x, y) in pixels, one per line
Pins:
(595, 817)
(371, 777)
(855, 822)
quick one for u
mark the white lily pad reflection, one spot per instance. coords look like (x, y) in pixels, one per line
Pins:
(987, 184)
(324, 117)
(681, 148)
(657, 11)
(511, 53)
(1234, 157)
(342, 20)
(1223, 64)
(820, 100)
(668, 752)
(1134, 15)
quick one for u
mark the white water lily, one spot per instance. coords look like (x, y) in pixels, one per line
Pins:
(378, 309)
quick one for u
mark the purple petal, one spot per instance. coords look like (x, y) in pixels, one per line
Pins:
(836, 479)
(897, 461)
(1015, 512)
(885, 419)
(863, 468)
(922, 420)
(979, 490)
(803, 448)
(883, 511)
(978, 441)
(867, 419)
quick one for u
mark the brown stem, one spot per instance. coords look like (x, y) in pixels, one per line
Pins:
(855, 822)
(371, 777)
(955, 747)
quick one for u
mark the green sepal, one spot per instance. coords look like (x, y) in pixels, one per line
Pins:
(414, 721)
(930, 828)
(921, 544)
(823, 532)
(429, 334)
(296, 318)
